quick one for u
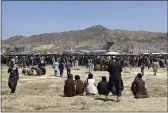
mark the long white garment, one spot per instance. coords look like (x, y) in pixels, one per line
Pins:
(155, 66)
(76, 64)
(90, 87)
(34, 72)
(56, 67)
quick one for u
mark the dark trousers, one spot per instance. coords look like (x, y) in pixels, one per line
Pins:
(161, 66)
(115, 86)
(142, 71)
(61, 72)
(12, 83)
(68, 71)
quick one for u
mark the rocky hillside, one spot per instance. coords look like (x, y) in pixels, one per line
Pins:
(94, 37)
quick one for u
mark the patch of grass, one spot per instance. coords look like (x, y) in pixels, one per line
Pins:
(126, 71)
(85, 106)
(7, 108)
(34, 88)
(4, 92)
(39, 108)
(157, 91)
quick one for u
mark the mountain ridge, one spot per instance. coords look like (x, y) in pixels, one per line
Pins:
(85, 29)
(94, 37)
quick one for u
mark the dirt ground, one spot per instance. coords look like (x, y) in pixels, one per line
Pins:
(44, 93)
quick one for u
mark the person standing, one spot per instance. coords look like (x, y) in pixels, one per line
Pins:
(115, 80)
(56, 68)
(24, 62)
(61, 68)
(53, 60)
(76, 64)
(16, 61)
(32, 60)
(42, 59)
(68, 66)
(155, 66)
(89, 66)
(148, 63)
(13, 78)
(166, 64)
(142, 68)
(20, 63)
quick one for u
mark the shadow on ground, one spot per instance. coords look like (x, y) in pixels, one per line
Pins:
(103, 99)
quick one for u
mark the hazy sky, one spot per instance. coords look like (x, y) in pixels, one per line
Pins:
(29, 18)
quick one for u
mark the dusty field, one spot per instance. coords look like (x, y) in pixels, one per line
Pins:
(44, 93)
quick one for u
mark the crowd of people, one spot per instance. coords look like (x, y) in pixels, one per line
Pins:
(134, 61)
(72, 87)
(97, 63)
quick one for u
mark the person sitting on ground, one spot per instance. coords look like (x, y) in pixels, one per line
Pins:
(35, 71)
(25, 71)
(69, 87)
(103, 87)
(138, 87)
(97, 67)
(41, 66)
(31, 71)
(90, 85)
(79, 85)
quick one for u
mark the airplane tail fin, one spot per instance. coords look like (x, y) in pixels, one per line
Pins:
(108, 45)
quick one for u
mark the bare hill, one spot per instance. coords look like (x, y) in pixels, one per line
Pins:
(91, 38)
